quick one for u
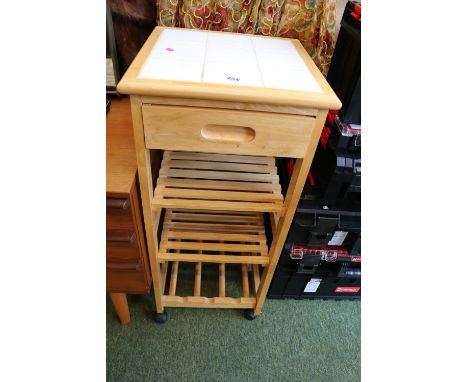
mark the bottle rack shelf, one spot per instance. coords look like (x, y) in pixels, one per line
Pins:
(222, 299)
(200, 236)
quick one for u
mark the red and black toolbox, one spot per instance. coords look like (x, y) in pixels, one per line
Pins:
(319, 273)
(342, 136)
(321, 258)
(323, 228)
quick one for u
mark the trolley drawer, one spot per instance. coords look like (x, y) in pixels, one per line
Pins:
(226, 131)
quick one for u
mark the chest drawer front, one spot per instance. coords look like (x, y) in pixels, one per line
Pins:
(118, 213)
(121, 245)
(131, 279)
(226, 131)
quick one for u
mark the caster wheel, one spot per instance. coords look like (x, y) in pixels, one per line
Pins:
(249, 314)
(160, 318)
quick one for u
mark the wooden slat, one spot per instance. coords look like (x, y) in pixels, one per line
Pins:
(173, 282)
(219, 185)
(222, 166)
(209, 217)
(233, 213)
(205, 258)
(190, 235)
(207, 226)
(187, 193)
(245, 281)
(216, 205)
(256, 276)
(222, 279)
(214, 227)
(205, 302)
(213, 218)
(219, 175)
(219, 157)
(197, 283)
(163, 275)
(274, 221)
(257, 248)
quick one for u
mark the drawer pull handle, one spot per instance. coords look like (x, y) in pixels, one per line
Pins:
(118, 204)
(120, 236)
(229, 134)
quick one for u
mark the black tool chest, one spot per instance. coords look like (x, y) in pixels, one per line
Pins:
(321, 258)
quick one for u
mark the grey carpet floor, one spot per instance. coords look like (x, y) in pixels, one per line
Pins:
(291, 341)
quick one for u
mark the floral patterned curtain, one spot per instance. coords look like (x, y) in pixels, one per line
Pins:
(310, 21)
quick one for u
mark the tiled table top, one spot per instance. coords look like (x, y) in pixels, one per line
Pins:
(232, 59)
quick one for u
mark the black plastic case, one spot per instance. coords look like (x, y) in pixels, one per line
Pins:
(334, 179)
(318, 227)
(339, 280)
(344, 75)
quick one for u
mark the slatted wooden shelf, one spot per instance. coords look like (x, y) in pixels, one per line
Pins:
(247, 300)
(214, 237)
(218, 182)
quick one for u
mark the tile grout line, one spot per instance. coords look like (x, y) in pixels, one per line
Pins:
(204, 58)
(256, 60)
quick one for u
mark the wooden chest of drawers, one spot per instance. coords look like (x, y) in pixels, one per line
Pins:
(126, 254)
(127, 265)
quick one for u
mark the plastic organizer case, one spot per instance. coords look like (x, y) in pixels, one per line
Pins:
(318, 272)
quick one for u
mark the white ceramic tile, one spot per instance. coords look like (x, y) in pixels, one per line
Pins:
(301, 80)
(170, 69)
(280, 59)
(225, 55)
(182, 35)
(223, 47)
(232, 74)
(264, 44)
(179, 51)
(243, 50)
(231, 40)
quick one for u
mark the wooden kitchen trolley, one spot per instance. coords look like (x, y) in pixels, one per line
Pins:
(211, 111)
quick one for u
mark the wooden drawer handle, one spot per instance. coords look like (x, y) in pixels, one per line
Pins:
(118, 204)
(134, 266)
(120, 236)
(229, 134)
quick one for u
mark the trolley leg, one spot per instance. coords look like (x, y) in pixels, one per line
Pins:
(298, 178)
(146, 189)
